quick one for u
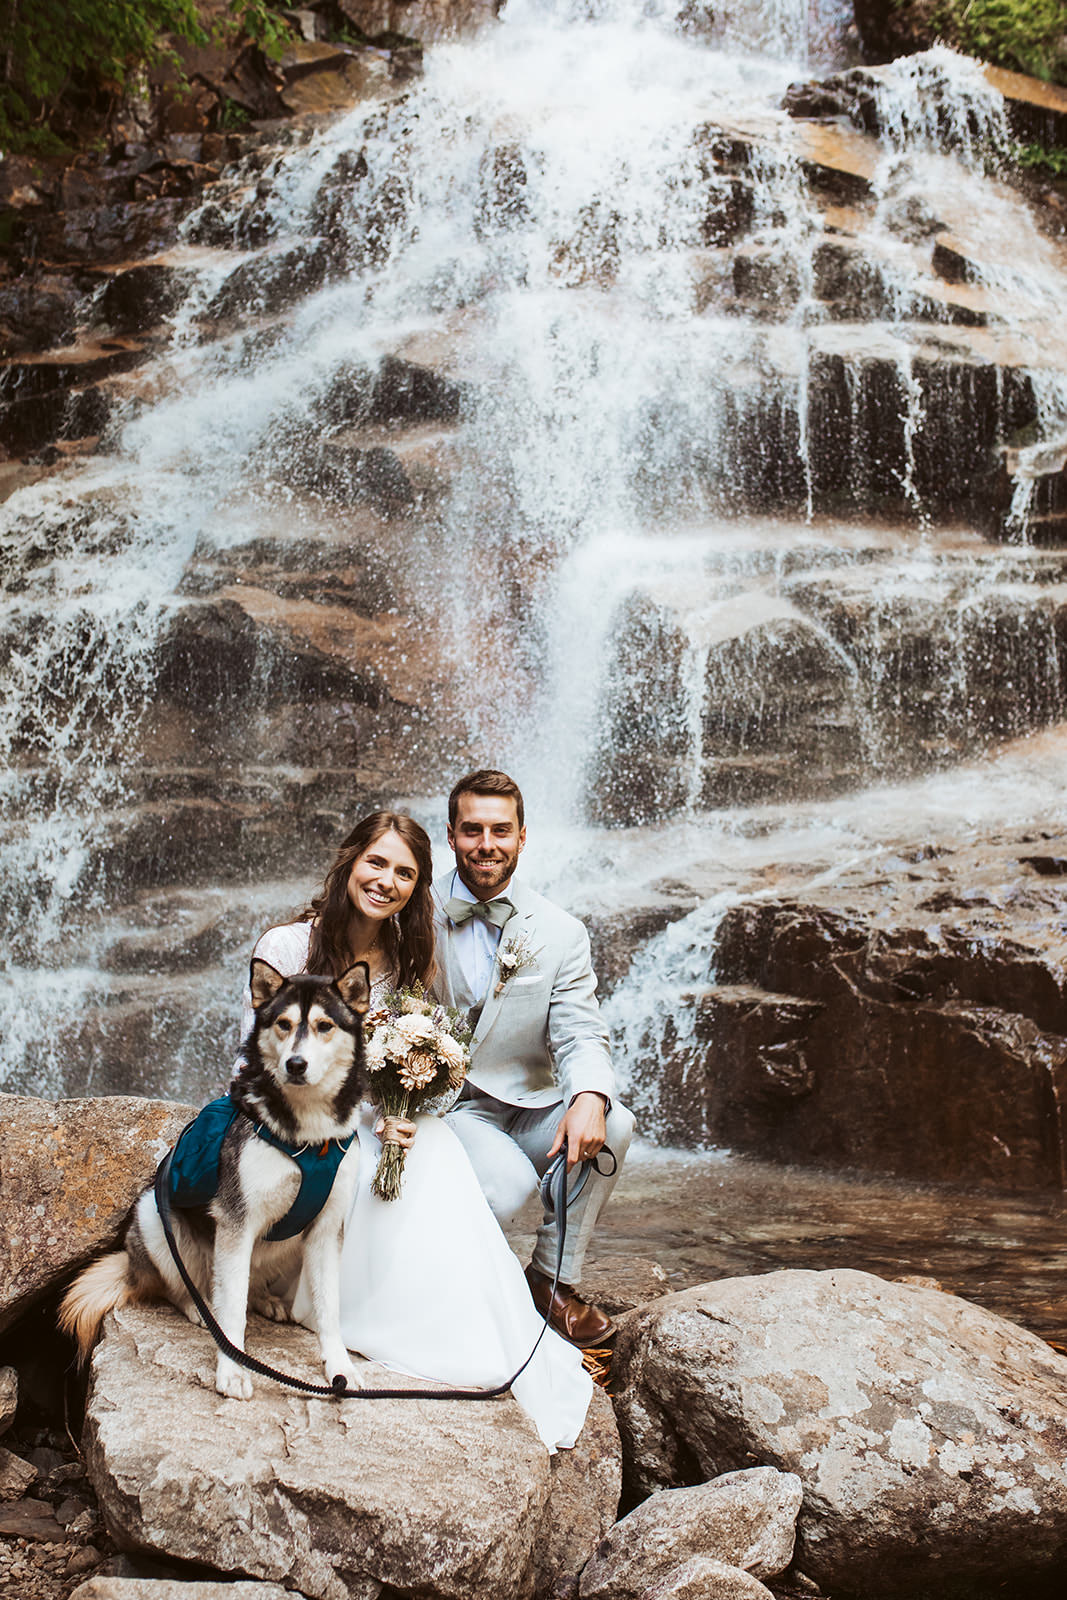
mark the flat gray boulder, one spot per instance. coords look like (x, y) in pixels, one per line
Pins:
(929, 1435)
(70, 1170)
(743, 1519)
(446, 1498)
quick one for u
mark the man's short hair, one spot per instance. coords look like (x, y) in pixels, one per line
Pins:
(486, 781)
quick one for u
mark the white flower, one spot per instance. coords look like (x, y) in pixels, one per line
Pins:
(451, 1050)
(415, 1028)
(375, 1054)
(513, 956)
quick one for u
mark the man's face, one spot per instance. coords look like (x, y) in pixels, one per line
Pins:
(487, 839)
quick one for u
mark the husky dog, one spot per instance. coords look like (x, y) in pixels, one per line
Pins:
(295, 1099)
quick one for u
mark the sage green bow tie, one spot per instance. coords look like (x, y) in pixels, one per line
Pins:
(495, 912)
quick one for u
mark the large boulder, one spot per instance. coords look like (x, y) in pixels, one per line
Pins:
(69, 1172)
(336, 1499)
(927, 1433)
(743, 1519)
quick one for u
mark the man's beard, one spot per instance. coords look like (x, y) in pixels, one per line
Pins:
(481, 882)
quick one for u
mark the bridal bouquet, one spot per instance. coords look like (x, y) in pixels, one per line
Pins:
(416, 1052)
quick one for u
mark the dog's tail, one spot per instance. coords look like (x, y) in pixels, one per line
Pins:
(102, 1287)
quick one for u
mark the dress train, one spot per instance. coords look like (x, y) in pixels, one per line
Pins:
(431, 1288)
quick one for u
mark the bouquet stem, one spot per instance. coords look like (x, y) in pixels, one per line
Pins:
(389, 1177)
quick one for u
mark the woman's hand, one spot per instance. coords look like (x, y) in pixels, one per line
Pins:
(395, 1130)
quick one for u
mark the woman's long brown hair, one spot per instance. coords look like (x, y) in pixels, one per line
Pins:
(408, 938)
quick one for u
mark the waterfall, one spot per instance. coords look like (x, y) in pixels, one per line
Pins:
(575, 410)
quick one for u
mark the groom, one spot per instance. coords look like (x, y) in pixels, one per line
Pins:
(540, 1064)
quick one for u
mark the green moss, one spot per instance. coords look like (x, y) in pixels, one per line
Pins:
(1023, 35)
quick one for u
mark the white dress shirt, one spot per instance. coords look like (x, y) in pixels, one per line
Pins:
(476, 941)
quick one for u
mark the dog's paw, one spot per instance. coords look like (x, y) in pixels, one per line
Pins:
(271, 1306)
(232, 1381)
(342, 1375)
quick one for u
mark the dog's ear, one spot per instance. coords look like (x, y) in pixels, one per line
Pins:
(354, 987)
(263, 981)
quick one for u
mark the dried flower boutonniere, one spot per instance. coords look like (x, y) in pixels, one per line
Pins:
(513, 956)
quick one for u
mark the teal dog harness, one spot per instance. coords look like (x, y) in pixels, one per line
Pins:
(193, 1179)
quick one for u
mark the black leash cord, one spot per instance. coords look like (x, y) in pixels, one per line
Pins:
(555, 1179)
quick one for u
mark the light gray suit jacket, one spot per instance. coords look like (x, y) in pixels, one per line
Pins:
(541, 1040)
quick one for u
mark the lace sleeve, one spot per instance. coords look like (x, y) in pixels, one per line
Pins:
(439, 1104)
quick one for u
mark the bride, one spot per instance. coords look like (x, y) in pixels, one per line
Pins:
(429, 1285)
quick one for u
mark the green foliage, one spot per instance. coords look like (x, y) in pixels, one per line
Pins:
(1025, 35)
(234, 116)
(1044, 160)
(53, 48)
(261, 21)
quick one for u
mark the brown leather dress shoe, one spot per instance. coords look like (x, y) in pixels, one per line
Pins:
(584, 1325)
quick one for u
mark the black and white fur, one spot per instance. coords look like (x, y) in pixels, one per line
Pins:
(303, 1078)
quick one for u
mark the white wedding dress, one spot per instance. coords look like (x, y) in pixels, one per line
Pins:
(429, 1285)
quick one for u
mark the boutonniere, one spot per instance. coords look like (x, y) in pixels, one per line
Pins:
(513, 956)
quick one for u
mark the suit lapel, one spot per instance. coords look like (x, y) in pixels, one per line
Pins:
(521, 922)
(448, 969)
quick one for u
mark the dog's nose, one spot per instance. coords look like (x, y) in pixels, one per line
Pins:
(296, 1066)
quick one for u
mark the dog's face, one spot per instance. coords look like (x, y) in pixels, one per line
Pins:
(308, 1028)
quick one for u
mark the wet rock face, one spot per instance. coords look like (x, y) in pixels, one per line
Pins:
(427, 20)
(914, 1028)
(336, 1499)
(839, 673)
(927, 1434)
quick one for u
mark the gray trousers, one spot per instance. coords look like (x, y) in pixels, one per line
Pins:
(508, 1149)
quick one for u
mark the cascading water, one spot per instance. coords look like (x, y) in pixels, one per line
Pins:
(634, 402)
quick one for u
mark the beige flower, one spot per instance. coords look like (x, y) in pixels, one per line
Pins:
(418, 1070)
(414, 1005)
(457, 1072)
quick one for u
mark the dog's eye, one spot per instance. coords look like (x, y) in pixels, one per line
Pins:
(325, 1026)
(283, 1025)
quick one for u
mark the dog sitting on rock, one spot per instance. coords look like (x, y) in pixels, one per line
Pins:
(261, 1181)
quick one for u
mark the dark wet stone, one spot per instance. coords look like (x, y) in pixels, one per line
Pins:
(271, 282)
(138, 298)
(925, 1052)
(34, 423)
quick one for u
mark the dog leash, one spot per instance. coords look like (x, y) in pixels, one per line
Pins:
(555, 1197)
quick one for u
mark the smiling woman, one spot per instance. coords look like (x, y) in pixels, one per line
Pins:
(375, 904)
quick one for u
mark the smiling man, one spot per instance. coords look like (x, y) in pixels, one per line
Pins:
(540, 1062)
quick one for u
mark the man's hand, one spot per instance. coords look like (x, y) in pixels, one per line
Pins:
(584, 1126)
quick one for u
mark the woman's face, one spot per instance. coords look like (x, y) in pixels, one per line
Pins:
(381, 880)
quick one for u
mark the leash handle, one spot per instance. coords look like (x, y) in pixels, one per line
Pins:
(340, 1390)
